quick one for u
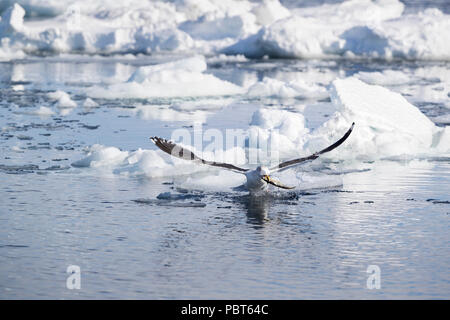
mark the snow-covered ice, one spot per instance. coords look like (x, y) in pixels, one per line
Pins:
(355, 28)
(62, 99)
(387, 126)
(386, 123)
(180, 78)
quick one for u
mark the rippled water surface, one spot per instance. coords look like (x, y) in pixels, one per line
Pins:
(130, 243)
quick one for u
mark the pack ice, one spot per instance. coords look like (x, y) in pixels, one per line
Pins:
(387, 126)
(180, 78)
(386, 123)
(354, 28)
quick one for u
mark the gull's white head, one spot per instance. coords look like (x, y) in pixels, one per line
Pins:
(263, 171)
(263, 176)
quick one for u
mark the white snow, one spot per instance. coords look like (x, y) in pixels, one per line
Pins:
(270, 11)
(166, 113)
(89, 103)
(62, 99)
(428, 84)
(8, 52)
(12, 20)
(150, 163)
(386, 123)
(387, 126)
(354, 28)
(286, 89)
(180, 78)
(41, 111)
(384, 78)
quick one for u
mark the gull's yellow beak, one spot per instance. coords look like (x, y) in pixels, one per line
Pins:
(276, 183)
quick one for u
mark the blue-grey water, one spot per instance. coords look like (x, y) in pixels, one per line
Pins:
(317, 243)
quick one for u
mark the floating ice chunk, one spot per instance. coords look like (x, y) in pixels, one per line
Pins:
(163, 71)
(272, 87)
(219, 181)
(293, 37)
(309, 180)
(281, 131)
(386, 123)
(386, 77)
(42, 111)
(443, 141)
(8, 53)
(166, 113)
(180, 78)
(152, 163)
(62, 99)
(291, 89)
(430, 84)
(100, 156)
(194, 9)
(12, 20)
(38, 8)
(188, 111)
(211, 27)
(289, 123)
(224, 58)
(305, 35)
(434, 93)
(93, 27)
(206, 104)
(89, 103)
(11, 23)
(418, 36)
(353, 29)
(270, 11)
(64, 111)
(356, 10)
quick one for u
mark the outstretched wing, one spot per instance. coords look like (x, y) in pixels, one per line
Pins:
(182, 153)
(289, 163)
(276, 183)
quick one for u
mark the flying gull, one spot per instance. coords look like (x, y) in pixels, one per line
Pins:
(258, 179)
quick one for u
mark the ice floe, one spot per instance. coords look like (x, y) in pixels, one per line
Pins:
(151, 163)
(41, 111)
(387, 127)
(425, 85)
(89, 103)
(385, 77)
(286, 89)
(386, 123)
(352, 29)
(180, 78)
(61, 99)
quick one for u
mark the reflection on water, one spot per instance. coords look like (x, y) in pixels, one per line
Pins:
(258, 209)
